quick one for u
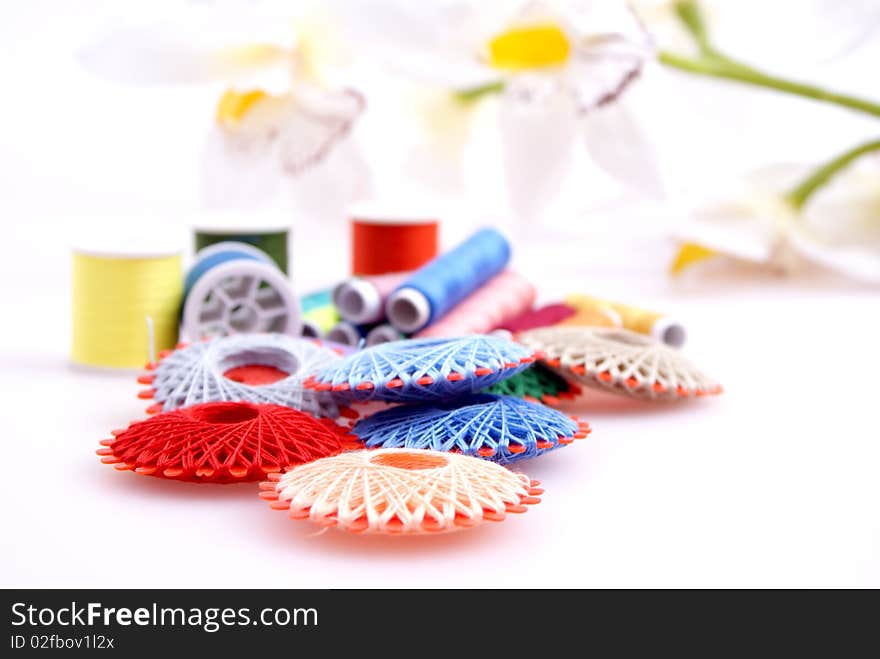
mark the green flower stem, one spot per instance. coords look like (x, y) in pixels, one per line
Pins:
(720, 66)
(476, 93)
(801, 193)
(689, 14)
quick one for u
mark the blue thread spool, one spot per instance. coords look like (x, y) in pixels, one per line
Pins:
(438, 286)
(235, 287)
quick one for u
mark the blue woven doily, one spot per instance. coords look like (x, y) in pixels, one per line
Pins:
(501, 428)
(416, 370)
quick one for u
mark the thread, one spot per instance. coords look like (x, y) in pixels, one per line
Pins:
(122, 305)
(660, 326)
(430, 292)
(319, 315)
(549, 314)
(400, 491)
(418, 370)
(361, 300)
(503, 429)
(234, 287)
(223, 442)
(620, 361)
(213, 371)
(504, 296)
(537, 384)
(348, 334)
(605, 317)
(383, 333)
(272, 243)
(384, 243)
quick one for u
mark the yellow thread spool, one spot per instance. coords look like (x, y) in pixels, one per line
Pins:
(594, 318)
(655, 324)
(113, 296)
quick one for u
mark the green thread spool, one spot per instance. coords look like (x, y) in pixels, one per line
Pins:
(266, 230)
(273, 243)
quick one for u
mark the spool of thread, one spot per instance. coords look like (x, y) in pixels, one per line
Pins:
(383, 242)
(124, 306)
(383, 333)
(348, 334)
(605, 317)
(430, 292)
(268, 232)
(504, 296)
(237, 288)
(549, 314)
(362, 299)
(319, 315)
(660, 326)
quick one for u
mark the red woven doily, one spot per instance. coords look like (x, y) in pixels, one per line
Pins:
(224, 442)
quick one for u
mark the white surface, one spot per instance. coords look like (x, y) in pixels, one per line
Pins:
(772, 484)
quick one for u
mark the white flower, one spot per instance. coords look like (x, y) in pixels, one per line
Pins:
(543, 67)
(839, 227)
(280, 115)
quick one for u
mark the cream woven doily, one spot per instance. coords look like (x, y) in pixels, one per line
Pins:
(619, 360)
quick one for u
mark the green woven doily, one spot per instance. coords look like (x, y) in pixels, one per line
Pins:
(537, 383)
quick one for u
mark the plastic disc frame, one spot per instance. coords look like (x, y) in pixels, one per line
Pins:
(223, 442)
(538, 384)
(620, 361)
(503, 429)
(211, 371)
(400, 491)
(417, 370)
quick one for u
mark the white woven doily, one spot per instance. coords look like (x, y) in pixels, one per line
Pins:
(195, 374)
(620, 361)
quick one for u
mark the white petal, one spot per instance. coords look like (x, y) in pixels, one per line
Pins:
(620, 146)
(198, 47)
(314, 122)
(538, 148)
(840, 225)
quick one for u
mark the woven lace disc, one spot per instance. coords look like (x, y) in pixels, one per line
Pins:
(620, 361)
(423, 369)
(223, 442)
(400, 491)
(536, 384)
(501, 428)
(259, 368)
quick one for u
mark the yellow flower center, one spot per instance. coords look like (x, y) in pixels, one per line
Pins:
(688, 255)
(529, 47)
(234, 105)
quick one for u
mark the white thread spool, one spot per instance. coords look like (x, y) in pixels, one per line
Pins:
(345, 333)
(358, 301)
(384, 333)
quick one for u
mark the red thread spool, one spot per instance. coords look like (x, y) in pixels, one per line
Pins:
(391, 243)
(224, 442)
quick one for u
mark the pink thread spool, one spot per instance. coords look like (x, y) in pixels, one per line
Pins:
(504, 296)
(361, 300)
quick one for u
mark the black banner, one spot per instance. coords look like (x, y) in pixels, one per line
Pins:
(406, 622)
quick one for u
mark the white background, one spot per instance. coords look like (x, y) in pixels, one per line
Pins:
(772, 484)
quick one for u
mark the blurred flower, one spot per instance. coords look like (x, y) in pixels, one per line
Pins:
(279, 115)
(835, 224)
(546, 65)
